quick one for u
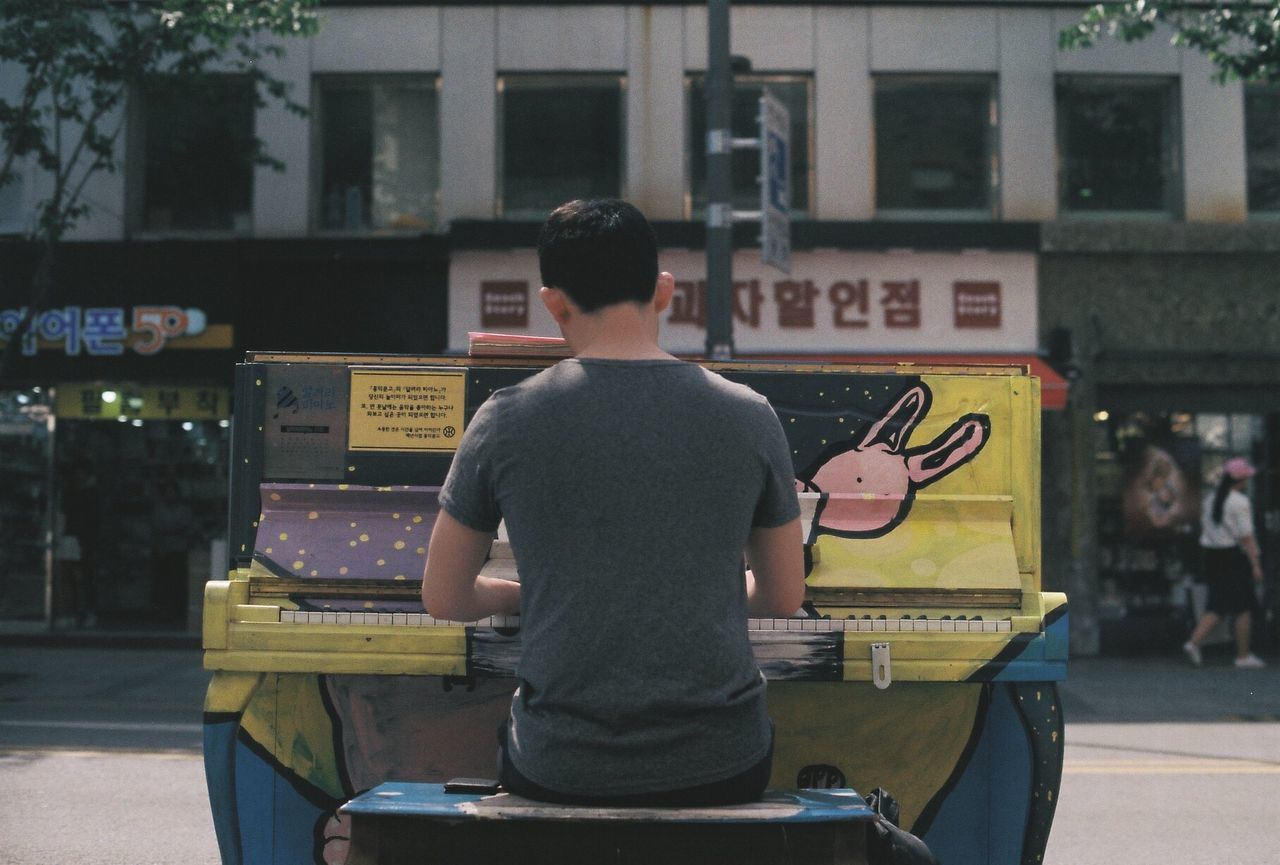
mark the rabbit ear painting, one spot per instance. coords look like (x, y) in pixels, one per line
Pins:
(870, 480)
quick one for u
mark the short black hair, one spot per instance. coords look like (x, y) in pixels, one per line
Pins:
(599, 252)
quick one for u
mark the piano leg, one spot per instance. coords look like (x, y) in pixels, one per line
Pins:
(1041, 711)
(224, 702)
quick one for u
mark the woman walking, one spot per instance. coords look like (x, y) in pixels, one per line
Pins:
(1231, 557)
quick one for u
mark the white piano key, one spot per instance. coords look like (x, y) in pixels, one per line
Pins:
(315, 617)
(948, 626)
(342, 618)
(989, 627)
(399, 619)
(384, 618)
(1004, 625)
(329, 618)
(879, 624)
(286, 616)
(413, 620)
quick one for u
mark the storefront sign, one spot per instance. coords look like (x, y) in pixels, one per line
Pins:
(394, 410)
(108, 331)
(833, 301)
(97, 401)
(504, 303)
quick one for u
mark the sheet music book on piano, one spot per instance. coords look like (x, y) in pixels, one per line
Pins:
(516, 345)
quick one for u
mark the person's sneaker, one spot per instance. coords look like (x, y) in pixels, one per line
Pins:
(1250, 662)
(1193, 652)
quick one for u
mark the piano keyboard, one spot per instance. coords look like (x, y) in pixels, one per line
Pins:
(407, 620)
(878, 625)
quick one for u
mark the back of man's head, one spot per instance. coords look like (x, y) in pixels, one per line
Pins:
(599, 252)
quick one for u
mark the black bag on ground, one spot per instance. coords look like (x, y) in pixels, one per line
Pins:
(889, 845)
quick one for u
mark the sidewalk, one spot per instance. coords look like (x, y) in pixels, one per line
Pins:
(36, 633)
(1138, 690)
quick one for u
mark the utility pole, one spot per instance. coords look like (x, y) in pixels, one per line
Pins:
(719, 184)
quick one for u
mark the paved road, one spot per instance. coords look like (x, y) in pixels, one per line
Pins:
(100, 755)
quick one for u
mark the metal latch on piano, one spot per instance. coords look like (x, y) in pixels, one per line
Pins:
(881, 671)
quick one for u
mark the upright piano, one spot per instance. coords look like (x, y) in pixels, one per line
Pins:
(924, 661)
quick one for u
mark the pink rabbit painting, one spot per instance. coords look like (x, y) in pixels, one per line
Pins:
(871, 478)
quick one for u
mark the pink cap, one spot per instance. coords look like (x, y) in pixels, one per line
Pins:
(1239, 468)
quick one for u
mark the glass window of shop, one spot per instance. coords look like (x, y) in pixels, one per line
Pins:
(796, 93)
(138, 505)
(25, 513)
(1262, 147)
(560, 137)
(1119, 146)
(936, 152)
(1154, 470)
(379, 153)
(193, 148)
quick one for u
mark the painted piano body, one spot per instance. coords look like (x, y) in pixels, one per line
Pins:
(924, 662)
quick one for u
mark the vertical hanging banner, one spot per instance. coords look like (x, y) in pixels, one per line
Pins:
(775, 185)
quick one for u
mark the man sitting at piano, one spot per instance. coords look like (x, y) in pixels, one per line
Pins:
(631, 483)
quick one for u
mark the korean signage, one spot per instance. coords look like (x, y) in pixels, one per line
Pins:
(395, 410)
(112, 330)
(504, 303)
(98, 401)
(832, 301)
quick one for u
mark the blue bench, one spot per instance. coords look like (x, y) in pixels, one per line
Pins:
(399, 822)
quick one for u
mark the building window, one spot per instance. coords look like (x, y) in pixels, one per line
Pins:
(935, 146)
(1118, 146)
(379, 165)
(1262, 147)
(198, 153)
(560, 138)
(793, 91)
(13, 219)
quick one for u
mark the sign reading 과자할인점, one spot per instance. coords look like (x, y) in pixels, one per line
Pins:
(831, 301)
(398, 410)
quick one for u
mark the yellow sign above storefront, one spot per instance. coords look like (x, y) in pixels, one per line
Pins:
(99, 401)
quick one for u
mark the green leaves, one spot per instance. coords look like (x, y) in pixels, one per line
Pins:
(81, 58)
(1241, 40)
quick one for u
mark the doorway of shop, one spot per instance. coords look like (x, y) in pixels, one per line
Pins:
(138, 504)
(1154, 470)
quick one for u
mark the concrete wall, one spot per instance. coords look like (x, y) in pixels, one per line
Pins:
(843, 47)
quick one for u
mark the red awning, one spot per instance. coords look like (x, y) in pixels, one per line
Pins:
(1053, 387)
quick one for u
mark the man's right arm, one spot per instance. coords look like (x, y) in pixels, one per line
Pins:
(775, 579)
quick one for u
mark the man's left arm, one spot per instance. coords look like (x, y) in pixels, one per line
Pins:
(452, 587)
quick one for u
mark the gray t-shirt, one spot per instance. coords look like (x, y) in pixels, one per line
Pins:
(629, 489)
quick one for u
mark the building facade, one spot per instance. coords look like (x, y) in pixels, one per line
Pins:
(960, 187)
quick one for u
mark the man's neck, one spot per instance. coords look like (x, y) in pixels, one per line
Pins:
(620, 332)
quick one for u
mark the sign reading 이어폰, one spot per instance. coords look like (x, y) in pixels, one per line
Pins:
(399, 410)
